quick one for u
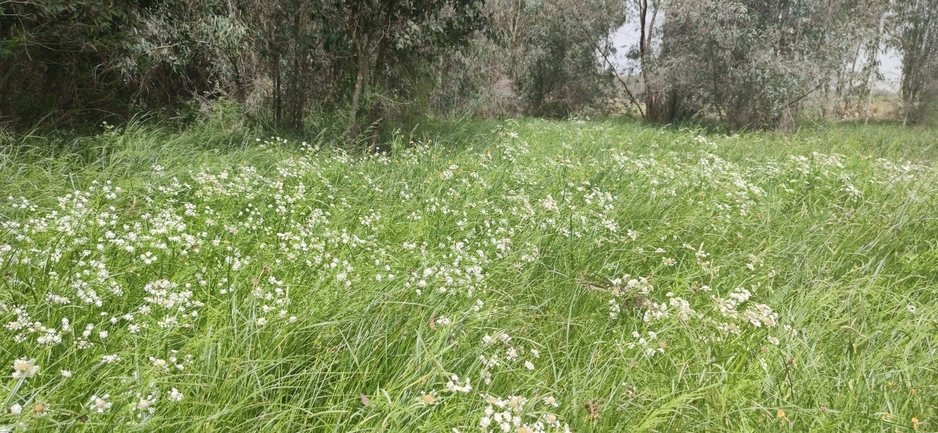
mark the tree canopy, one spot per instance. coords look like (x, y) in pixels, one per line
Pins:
(747, 63)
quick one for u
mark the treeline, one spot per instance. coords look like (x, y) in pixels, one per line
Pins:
(748, 63)
(283, 60)
(766, 64)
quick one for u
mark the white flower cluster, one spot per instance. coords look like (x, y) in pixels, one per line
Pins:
(756, 314)
(165, 296)
(515, 414)
(456, 385)
(24, 368)
(509, 353)
(648, 346)
(273, 298)
(630, 292)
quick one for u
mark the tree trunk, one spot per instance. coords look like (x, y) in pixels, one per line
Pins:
(354, 128)
(275, 67)
(646, 19)
(374, 114)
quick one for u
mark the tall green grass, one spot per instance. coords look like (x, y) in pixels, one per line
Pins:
(592, 276)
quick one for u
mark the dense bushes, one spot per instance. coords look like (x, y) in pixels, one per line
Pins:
(76, 61)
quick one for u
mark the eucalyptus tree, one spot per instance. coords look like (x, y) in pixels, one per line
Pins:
(750, 63)
(54, 54)
(913, 31)
(66, 54)
(81, 60)
(384, 36)
(539, 58)
(352, 54)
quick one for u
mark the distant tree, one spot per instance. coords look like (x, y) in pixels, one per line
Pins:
(852, 91)
(72, 55)
(539, 58)
(914, 33)
(646, 16)
(54, 53)
(562, 49)
(179, 49)
(351, 54)
(385, 35)
(81, 60)
(750, 63)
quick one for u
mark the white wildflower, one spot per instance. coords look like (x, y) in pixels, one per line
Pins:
(100, 404)
(511, 353)
(426, 399)
(175, 395)
(455, 385)
(24, 368)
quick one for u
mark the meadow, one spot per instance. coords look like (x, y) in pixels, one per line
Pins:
(516, 276)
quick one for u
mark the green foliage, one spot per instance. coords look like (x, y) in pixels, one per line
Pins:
(537, 58)
(52, 58)
(320, 56)
(79, 60)
(562, 73)
(73, 63)
(913, 32)
(756, 65)
(185, 49)
(382, 63)
(750, 63)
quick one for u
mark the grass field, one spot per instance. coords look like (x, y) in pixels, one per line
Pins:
(517, 276)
